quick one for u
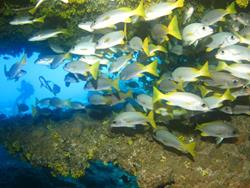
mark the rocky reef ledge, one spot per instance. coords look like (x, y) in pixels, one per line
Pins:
(67, 147)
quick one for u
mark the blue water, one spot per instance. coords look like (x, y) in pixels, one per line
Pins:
(10, 93)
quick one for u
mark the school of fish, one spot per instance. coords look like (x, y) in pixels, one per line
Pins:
(120, 68)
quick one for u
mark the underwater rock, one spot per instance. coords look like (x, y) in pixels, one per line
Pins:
(68, 147)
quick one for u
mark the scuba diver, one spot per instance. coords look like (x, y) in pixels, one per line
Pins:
(49, 85)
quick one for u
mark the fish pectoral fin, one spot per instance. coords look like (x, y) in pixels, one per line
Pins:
(107, 40)
(128, 20)
(219, 140)
(190, 34)
(106, 18)
(169, 103)
(204, 134)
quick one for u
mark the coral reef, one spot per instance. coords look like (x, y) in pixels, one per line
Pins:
(67, 147)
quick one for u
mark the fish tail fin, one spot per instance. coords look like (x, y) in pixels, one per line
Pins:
(152, 68)
(94, 70)
(116, 84)
(151, 120)
(221, 66)
(204, 71)
(161, 48)
(203, 90)
(145, 46)
(180, 86)
(157, 95)
(24, 59)
(33, 10)
(140, 10)
(231, 9)
(173, 28)
(227, 96)
(179, 3)
(67, 55)
(190, 148)
(41, 19)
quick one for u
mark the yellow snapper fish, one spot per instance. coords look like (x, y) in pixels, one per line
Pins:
(84, 46)
(102, 84)
(162, 9)
(135, 70)
(86, 26)
(159, 32)
(186, 100)
(168, 139)
(110, 18)
(236, 109)
(192, 33)
(243, 91)
(44, 35)
(120, 63)
(189, 74)
(216, 15)
(145, 101)
(237, 69)
(221, 40)
(78, 67)
(92, 59)
(27, 20)
(223, 80)
(234, 53)
(216, 100)
(56, 48)
(111, 100)
(167, 84)
(39, 2)
(218, 129)
(131, 119)
(111, 39)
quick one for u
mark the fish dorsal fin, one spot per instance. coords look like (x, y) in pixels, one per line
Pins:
(106, 17)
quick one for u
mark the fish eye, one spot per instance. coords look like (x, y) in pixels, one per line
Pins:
(203, 105)
(232, 37)
(203, 28)
(222, 51)
(114, 122)
(235, 81)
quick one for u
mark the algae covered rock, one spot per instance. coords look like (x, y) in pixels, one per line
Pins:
(68, 147)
